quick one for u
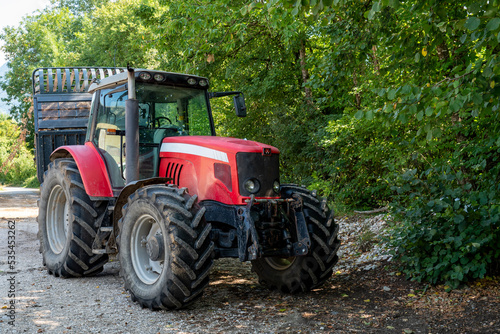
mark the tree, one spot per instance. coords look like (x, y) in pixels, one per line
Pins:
(79, 7)
(16, 162)
(126, 40)
(424, 77)
(41, 40)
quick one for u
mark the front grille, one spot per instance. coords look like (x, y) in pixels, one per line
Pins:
(263, 168)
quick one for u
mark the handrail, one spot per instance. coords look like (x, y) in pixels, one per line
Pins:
(67, 80)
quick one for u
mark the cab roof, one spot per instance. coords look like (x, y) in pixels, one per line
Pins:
(151, 76)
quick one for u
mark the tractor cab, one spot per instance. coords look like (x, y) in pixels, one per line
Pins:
(167, 105)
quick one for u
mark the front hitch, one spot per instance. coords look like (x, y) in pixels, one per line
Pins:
(249, 245)
(247, 234)
(301, 247)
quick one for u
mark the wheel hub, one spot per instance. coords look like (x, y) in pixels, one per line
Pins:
(156, 248)
(280, 263)
(57, 219)
(147, 249)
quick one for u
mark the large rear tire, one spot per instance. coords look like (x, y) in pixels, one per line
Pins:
(303, 273)
(66, 223)
(164, 247)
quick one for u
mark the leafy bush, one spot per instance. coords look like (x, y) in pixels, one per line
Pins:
(450, 224)
(359, 156)
(17, 166)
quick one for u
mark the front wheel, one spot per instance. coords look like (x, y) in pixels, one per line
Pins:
(303, 273)
(164, 247)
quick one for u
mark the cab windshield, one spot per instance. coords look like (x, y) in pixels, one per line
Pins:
(164, 111)
(183, 111)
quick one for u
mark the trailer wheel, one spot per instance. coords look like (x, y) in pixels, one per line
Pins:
(164, 247)
(303, 273)
(66, 217)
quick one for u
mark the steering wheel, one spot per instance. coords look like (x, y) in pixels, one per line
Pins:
(157, 119)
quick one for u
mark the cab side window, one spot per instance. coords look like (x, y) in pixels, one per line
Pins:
(109, 134)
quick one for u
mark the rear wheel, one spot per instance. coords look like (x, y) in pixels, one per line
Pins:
(164, 247)
(66, 222)
(303, 273)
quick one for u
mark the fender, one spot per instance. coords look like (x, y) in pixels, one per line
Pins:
(91, 166)
(130, 189)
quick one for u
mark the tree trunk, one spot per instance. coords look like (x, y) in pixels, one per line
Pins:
(357, 95)
(376, 65)
(305, 72)
(443, 52)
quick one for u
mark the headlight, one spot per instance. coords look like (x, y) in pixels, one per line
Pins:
(252, 186)
(203, 83)
(276, 186)
(159, 77)
(145, 76)
(192, 81)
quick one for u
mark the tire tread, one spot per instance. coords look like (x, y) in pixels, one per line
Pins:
(191, 253)
(78, 259)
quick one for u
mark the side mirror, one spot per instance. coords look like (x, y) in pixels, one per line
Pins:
(239, 105)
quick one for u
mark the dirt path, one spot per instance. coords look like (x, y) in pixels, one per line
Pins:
(354, 300)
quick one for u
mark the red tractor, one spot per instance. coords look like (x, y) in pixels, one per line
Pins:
(130, 164)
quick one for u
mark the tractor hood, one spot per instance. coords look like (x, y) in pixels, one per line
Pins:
(213, 147)
(217, 168)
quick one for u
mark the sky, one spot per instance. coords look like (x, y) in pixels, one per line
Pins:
(12, 11)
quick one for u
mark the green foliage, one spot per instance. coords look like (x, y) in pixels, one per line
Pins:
(42, 40)
(449, 232)
(17, 167)
(450, 210)
(78, 7)
(422, 81)
(126, 41)
(358, 172)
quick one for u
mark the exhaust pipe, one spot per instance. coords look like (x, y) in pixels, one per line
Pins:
(131, 131)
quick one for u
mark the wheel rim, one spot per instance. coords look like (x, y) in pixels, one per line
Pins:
(57, 219)
(145, 229)
(280, 263)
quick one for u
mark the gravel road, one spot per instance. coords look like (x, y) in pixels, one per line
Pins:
(234, 302)
(361, 297)
(46, 304)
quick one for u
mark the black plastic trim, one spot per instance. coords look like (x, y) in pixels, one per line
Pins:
(257, 166)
